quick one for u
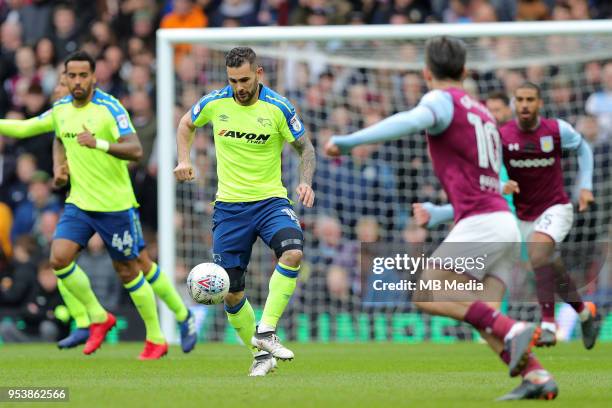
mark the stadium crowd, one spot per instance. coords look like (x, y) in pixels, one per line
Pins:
(35, 36)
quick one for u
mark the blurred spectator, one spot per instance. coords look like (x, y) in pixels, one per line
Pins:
(17, 280)
(414, 234)
(17, 192)
(26, 75)
(318, 12)
(106, 81)
(6, 223)
(45, 229)
(45, 64)
(185, 14)
(532, 10)
(562, 99)
(242, 12)
(143, 118)
(7, 170)
(140, 81)
(105, 283)
(65, 35)
(273, 13)
(338, 286)
(40, 199)
(35, 19)
(35, 104)
(41, 312)
(368, 230)
(102, 35)
(600, 104)
(402, 12)
(457, 12)
(144, 181)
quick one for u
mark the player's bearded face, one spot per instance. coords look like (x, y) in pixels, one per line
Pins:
(527, 104)
(245, 83)
(80, 79)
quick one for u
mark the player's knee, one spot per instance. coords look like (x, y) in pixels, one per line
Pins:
(292, 257)
(233, 298)
(539, 257)
(127, 271)
(287, 244)
(59, 260)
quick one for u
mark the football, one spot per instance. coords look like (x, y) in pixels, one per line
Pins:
(208, 283)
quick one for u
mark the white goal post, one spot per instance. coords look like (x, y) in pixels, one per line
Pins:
(166, 98)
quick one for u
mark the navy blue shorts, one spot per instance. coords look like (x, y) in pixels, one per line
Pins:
(236, 226)
(120, 230)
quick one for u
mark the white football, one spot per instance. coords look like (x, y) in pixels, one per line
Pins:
(208, 283)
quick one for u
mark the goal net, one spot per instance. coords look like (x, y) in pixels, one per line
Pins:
(341, 79)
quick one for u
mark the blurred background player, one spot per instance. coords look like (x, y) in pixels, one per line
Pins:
(498, 104)
(544, 210)
(159, 281)
(100, 200)
(429, 215)
(251, 122)
(449, 115)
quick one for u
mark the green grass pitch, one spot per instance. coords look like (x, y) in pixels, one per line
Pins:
(338, 375)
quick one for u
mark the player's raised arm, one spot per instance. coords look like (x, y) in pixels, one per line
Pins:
(434, 114)
(22, 129)
(303, 146)
(184, 138)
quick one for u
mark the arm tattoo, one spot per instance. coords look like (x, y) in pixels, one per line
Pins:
(303, 146)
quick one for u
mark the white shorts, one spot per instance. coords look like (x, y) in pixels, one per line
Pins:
(493, 237)
(555, 222)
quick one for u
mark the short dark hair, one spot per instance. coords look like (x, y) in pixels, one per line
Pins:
(80, 56)
(445, 57)
(239, 55)
(500, 96)
(531, 85)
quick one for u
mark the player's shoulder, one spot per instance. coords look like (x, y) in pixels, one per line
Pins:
(268, 95)
(108, 101)
(63, 101)
(216, 95)
(551, 124)
(437, 96)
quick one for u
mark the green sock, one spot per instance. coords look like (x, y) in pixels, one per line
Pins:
(144, 299)
(77, 282)
(165, 290)
(77, 309)
(242, 319)
(282, 285)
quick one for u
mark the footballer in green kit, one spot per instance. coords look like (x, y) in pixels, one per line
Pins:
(159, 281)
(251, 124)
(94, 132)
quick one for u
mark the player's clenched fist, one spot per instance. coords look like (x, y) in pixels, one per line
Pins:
(305, 194)
(511, 187)
(60, 175)
(85, 138)
(421, 214)
(331, 149)
(585, 199)
(184, 172)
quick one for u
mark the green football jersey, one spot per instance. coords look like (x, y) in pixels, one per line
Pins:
(248, 142)
(98, 181)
